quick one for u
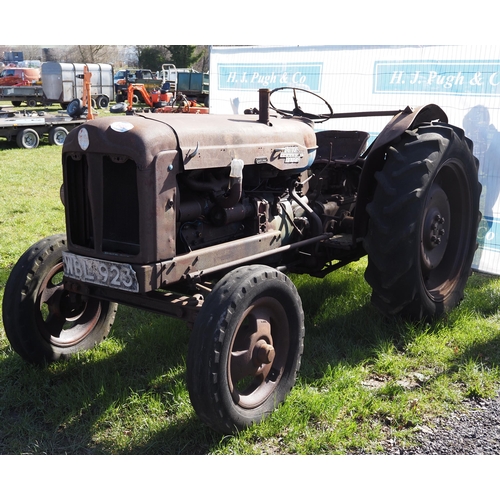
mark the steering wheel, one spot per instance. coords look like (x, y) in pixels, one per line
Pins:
(297, 111)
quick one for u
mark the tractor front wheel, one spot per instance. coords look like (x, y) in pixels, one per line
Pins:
(43, 321)
(245, 348)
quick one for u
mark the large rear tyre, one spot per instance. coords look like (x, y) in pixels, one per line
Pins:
(42, 321)
(245, 348)
(423, 223)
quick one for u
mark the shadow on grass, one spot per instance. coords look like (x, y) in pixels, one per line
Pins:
(129, 395)
(342, 332)
(7, 145)
(65, 408)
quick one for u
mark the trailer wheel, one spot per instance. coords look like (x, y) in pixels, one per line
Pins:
(245, 348)
(16, 103)
(120, 107)
(102, 101)
(423, 223)
(75, 108)
(32, 103)
(27, 139)
(57, 136)
(42, 321)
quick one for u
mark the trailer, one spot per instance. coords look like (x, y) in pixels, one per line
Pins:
(27, 128)
(63, 82)
(29, 94)
(193, 84)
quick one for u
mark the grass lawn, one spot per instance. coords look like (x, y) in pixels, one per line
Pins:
(364, 379)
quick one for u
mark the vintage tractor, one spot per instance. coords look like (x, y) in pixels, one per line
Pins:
(202, 218)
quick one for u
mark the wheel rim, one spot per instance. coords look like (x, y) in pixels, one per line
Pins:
(63, 318)
(59, 137)
(258, 353)
(446, 228)
(29, 140)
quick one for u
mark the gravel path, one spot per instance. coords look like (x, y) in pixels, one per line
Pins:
(473, 432)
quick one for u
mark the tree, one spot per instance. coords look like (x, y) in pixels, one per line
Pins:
(92, 53)
(81, 53)
(203, 64)
(151, 56)
(183, 56)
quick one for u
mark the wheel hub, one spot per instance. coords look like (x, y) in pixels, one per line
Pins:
(436, 232)
(64, 319)
(258, 353)
(436, 229)
(263, 353)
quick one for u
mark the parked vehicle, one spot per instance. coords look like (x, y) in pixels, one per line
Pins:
(27, 128)
(63, 82)
(32, 95)
(193, 84)
(201, 218)
(140, 77)
(19, 76)
(119, 75)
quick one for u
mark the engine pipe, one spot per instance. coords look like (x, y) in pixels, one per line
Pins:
(264, 96)
(235, 188)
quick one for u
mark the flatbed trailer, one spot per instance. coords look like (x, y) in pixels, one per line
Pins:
(17, 94)
(28, 128)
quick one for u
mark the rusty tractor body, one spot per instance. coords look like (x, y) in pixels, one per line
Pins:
(203, 217)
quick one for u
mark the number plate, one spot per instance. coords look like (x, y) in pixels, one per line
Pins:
(100, 272)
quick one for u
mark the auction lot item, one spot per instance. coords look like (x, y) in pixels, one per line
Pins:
(202, 217)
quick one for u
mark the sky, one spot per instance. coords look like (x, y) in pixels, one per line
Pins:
(221, 22)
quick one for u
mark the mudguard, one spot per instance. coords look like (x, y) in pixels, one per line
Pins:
(407, 119)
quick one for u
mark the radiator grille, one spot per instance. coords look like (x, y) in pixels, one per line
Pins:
(120, 227)
(103, 205)
(77, 204)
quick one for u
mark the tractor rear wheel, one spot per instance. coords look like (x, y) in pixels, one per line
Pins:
(423, 223)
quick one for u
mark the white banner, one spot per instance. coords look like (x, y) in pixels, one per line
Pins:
(463, 80)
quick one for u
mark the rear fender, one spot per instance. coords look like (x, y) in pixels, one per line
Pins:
(405, 120)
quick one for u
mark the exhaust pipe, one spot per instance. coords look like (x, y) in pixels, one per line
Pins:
(264, 106)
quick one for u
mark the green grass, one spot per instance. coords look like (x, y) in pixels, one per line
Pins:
(364, 379)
